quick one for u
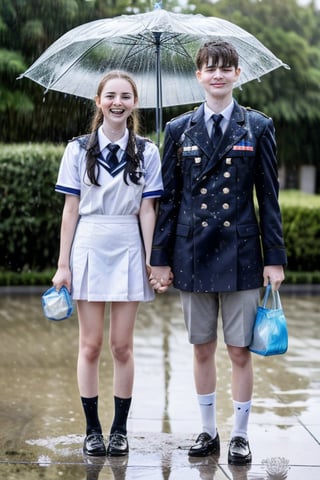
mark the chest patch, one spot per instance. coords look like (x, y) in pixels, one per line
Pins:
(243, 146)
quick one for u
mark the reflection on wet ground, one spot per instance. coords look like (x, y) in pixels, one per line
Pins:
(41, 415)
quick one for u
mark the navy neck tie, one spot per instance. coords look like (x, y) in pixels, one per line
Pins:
(112, 159)
(216, 130)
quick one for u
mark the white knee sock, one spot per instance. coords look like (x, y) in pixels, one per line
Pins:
(241, 418)
(207, 404)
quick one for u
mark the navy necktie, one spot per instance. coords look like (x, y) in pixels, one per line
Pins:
(112, 159)
(216, 129)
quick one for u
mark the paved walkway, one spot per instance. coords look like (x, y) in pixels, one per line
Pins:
(41, 435)
(293, 447)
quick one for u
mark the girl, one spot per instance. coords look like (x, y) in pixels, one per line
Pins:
(111, 179)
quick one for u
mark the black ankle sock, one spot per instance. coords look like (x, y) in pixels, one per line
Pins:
(121, 411)
(90, 407)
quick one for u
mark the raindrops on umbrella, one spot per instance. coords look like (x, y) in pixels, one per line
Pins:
(157, 48)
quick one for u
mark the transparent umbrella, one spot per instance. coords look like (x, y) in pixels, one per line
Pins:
(158, 48)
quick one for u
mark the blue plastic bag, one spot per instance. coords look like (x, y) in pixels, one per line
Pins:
(57, 305)
(270, 332)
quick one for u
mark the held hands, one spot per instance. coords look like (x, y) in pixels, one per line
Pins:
(160, 278)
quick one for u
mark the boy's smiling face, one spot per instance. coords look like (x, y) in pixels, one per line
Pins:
(218, 80)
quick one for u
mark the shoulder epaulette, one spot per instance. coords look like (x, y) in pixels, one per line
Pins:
(257, 111)
(185, 113)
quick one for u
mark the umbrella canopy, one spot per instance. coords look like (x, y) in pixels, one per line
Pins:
(158, 48)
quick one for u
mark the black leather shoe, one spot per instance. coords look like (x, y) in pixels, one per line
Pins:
(94, 445)
(118, 445)
(205, 445)
(239, 451)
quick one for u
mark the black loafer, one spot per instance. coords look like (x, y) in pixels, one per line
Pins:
(239, 451)
(205, 445)
(118, 445)
(94, 445)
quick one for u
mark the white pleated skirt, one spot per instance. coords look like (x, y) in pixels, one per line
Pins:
(108, 261)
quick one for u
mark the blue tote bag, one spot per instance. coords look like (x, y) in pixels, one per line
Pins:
(270, 332)
(57, 305)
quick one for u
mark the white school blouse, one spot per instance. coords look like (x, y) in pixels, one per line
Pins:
(113, 197)
(107, 259)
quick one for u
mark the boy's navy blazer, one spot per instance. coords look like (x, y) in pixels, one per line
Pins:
(207, 228)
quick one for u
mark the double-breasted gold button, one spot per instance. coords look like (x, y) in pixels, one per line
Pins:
(203, 206)
(226, 223)
(227, 174)
(204, 224)
(225, 206)
(228, 161)
(197, 160)
(226, 190)
(203, 191)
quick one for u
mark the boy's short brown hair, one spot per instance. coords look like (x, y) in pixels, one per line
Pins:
(215, 51)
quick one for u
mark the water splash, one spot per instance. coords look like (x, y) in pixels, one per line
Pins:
(276, 467)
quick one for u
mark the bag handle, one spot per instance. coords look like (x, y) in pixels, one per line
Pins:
(276, 302)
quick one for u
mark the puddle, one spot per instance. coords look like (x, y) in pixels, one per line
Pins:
(41, 415)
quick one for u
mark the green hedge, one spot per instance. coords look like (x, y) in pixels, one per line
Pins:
(301, 228)
(26, 278)
(30, 210)
(30, 213)
(302, 236)
(32, 278)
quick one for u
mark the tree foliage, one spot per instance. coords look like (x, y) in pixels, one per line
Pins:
(291, 97)
(27, 28)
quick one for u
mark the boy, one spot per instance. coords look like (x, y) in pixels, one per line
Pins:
(208, 236)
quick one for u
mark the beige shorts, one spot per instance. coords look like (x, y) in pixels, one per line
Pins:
(238, 311)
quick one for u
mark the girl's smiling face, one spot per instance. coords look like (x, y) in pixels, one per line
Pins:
(117, 100)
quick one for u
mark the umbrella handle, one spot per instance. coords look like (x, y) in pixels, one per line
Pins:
(157, 36)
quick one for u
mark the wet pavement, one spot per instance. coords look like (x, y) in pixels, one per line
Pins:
(41, 416)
